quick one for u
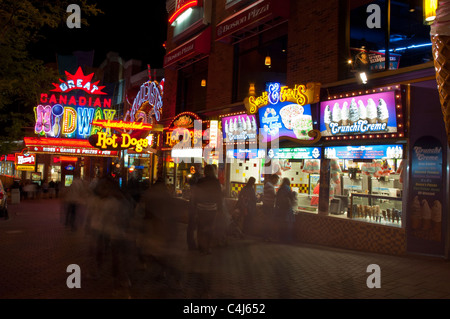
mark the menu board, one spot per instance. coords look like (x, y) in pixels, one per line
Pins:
(245, 153)
(426, 212)
(364, 114)
(365, 152)
(295, 153)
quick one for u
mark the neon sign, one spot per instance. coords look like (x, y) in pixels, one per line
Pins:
(376, 113)
(121, 125)
(65, 121)
(182, 6)
(300, 94)
(78, 81)
(147, 103)
(122, 141)
(25, 161)
(71, 116)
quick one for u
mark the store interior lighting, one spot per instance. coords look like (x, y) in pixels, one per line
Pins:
(363, 77)
(429, 11)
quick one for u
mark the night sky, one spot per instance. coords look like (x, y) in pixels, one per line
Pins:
(134, 29)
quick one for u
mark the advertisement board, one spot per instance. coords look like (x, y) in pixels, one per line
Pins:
(363, 114)
(285, 119)
(394, 151)
(241, 128)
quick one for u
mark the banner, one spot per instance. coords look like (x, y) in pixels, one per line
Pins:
(425, 213)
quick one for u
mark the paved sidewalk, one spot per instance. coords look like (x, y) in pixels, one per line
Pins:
(36, 248)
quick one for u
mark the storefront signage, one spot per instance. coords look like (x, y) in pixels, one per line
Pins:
(67, 115)
(65, 121)
(257, 12)
(364, 114)
(239, 128)
(285, 112)
(295, 153)
(119, 141)
(25, 161)
(72, 151)
(184, 137)
(147, 103)
(213, 133)
(426, 214)
(246, 153)
(78, 81)
(365, 152)
(122, 125)
(276, 93)
(185, 130)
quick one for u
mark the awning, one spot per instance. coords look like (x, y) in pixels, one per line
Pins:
(268, 12)
(64, 146)
(190, 51)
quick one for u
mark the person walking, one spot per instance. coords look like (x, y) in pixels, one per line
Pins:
(247, 205)
(192, 223)
(269, 206)
(284, 212)
(207, 200)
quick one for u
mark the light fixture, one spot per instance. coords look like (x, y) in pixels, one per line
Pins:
(251, 89)
(363, 77)
(429, 11)
(268, 61)
(203, 83)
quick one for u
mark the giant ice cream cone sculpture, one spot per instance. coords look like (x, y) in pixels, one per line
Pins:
(440, 38)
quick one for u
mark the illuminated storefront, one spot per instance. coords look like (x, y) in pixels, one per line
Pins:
(63, 125)
(183, 151)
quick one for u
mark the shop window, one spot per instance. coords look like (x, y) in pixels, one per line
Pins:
(191, 91)
(409, 40)
(250, 62)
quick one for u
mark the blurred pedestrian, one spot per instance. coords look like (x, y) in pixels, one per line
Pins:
(73, 199)
(108, 220)
(269, 207)
(284, 212)
(207, 200)
(247, 205)
(158, 235)
(192, 223)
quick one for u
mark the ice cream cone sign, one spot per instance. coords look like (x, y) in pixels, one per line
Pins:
(440, 38)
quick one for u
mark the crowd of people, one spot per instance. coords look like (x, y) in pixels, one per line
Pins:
(133, 226)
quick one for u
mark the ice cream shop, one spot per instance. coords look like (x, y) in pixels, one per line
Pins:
(383, 175)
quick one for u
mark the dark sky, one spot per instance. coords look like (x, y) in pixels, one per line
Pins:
(134, 29)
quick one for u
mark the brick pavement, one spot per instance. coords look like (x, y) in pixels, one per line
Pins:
(36, 248)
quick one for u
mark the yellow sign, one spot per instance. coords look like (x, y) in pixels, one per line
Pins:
(29, 168)
(124, 140)
(300, 94)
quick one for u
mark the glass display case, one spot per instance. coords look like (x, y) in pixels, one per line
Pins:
(380, 209)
